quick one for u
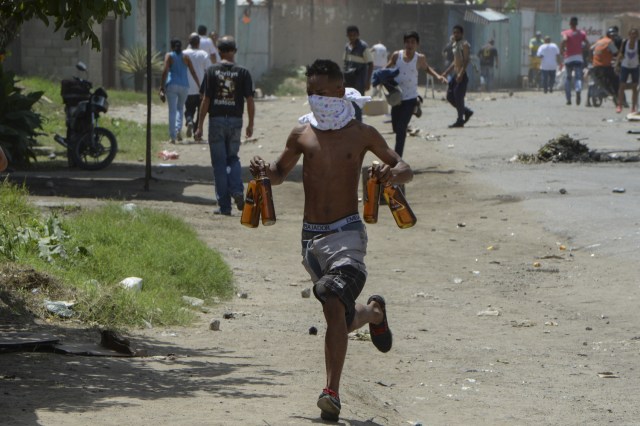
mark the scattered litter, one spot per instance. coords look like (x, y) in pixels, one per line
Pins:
(363, 336)
(214, 325)
(489, 312)
(562, 191)
(129, 207)
(523, 324)
(249, 140)
(313, 330)
(566, 149)
(132, 283)
(168, 155)
(432, 138)
(457, 280)
(608, 375)
(306, 293)
(193, 301)
(59, 308)
(618, 190)
(551, 323)
(243, 295)
(537, 264)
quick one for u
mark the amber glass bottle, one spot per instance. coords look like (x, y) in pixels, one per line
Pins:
(372, 197)
(399, 206)
(251, 211)
(267, 210)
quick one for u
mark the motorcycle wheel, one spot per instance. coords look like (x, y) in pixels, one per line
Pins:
(98, 153)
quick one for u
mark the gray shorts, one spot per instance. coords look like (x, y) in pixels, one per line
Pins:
(333, 254)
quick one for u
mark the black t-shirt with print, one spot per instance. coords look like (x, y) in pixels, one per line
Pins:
(227, 85)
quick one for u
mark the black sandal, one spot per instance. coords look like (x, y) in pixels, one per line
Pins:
(380, 333)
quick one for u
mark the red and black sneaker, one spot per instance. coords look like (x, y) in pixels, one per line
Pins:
(380, 333)
(329, 404)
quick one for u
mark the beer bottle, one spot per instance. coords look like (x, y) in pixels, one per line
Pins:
(372, 196)
(267, 210)
(399, 207)
(251, 211)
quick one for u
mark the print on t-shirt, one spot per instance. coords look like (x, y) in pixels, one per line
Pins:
(226, 90)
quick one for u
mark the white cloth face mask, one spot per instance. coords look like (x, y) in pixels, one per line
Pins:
(329, 113)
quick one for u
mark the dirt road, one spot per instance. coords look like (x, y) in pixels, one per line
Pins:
(511, 303)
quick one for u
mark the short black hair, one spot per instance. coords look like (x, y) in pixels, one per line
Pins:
(226, 44)
(574, 19)
(459, 28)
(176, 45)
(202, 30)
(324, 67)
(411, 34)
(352, 29)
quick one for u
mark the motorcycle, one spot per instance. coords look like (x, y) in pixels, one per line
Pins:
(89, 146)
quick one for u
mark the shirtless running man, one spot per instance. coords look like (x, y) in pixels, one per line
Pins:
(334, 238)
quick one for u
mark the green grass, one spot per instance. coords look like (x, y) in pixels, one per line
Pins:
(131, 135)
(88, 253)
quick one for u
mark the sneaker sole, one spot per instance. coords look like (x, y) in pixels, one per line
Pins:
(328, 408)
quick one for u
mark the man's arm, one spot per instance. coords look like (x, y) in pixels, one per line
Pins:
(165, 71)
(251, 112)
(191, 69)
(392, 60)
(202, 113)
(394, 169)
(279, 169)
(465, 62)
(423, 65)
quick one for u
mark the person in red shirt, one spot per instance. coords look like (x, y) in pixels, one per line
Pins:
(573, 44)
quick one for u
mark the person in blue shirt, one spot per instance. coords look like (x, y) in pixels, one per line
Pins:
(175, 86)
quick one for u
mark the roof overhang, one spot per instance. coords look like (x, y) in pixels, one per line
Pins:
(484, 17)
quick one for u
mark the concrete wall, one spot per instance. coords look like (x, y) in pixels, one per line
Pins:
(573, 6)
(46, 53)
(305, 30)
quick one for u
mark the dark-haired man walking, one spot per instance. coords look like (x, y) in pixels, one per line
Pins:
(458, 81)
(225, 88)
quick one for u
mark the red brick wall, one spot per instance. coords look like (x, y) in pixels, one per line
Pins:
(574, 6)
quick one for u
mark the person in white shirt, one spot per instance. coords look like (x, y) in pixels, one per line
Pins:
(200, 61)
(550, 59)
(207, 44)
(380, 58)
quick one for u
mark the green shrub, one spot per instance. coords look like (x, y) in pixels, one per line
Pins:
(19, 124)
(134, 61)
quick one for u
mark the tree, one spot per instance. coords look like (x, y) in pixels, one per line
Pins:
(77, 17)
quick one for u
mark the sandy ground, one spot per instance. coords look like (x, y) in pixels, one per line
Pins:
(511, 303)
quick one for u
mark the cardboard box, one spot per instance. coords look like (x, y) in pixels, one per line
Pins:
(376, 107)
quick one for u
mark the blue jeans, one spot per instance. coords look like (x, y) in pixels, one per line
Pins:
(486, 71)
(548, 80)
(575, 68)
(176, 97)
(455, 95)
(400, 118)
(224, 144)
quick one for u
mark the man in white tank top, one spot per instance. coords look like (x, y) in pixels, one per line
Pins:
(628, 66)
(408, 62)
